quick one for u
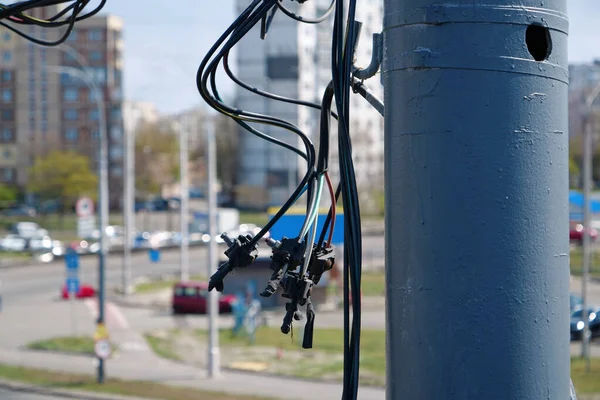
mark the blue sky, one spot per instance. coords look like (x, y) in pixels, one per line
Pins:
(165, 42)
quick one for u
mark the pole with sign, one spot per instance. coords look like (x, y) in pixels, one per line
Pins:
(86, 222)
(72, 282)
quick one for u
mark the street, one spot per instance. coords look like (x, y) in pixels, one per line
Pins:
(13, 395)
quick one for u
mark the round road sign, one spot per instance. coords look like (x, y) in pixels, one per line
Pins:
(102, 349)
(84, 207)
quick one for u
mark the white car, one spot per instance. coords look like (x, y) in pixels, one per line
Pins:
(13, 243)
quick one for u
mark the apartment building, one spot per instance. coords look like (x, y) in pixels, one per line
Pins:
(295, 61)
(56, 109)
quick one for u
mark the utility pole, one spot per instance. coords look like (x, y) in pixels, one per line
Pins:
(184, 207)
(214, 362)
(102, 190)
(128, 209)
(476, 152)
(587, 221)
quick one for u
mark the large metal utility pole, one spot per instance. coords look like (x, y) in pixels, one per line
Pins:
(184, 206)
(214, 362)
(476, 152)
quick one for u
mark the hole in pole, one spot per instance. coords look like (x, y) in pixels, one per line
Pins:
(538, 42)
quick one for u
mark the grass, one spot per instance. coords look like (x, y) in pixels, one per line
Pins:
(327, 342)
(56, 222)
(157, 286)
(147, 390)
(576, 260)
(373, 284)
(584, 382)
(162, 347)
(78, 345)
(256, 218)
(9, 255)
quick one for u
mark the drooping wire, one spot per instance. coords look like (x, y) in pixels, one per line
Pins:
(333, 208)
(306, 20)
(235, 32)
(16, 14)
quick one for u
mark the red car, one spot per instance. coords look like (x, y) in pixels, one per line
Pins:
(85, 291)
(190, 297)
(576, 233)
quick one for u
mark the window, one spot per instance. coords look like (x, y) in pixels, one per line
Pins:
(71, 115)
(72, 36)
(7, 57)
(71, 134)
(95, 55)
(6, 36)
(7, 135)
(116, 114)
(95, 35)
(7, 76)
(117, 171)
(94, 115)
(71, 94)
(7, 115)
(7, 95)
(8, 174)
(7, 154)
(96, 134)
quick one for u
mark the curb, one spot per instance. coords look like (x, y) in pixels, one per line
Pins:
(65, 393)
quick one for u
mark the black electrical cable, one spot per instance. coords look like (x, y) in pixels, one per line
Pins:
(239, 28)
(306, 20)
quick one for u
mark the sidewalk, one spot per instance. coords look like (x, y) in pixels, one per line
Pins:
(147, 367)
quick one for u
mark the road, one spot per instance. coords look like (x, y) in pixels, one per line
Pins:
(13, 395)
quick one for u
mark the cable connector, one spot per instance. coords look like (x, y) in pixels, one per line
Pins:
(298, 290)
(321, 261)
(241, 253)
(287, 255)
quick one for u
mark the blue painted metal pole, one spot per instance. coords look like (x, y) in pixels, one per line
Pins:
(476, 151)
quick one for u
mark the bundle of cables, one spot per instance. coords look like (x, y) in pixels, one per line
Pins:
(12, 15)
(299, 262)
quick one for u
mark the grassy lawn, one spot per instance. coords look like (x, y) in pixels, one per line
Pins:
(576, 260)
(163, 346)
(56, 222)
(147, 390)
(373, 284)
(156, 286)
(9, 255)
(79, 345)
(256, 218)
(584, 382)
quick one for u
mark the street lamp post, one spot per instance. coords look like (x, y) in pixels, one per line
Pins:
(587, 182)
(102, 189)
(184, 206)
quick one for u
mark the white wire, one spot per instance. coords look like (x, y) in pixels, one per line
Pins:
(313, 224)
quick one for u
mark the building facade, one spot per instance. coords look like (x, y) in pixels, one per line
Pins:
(295, 61)
(56, 110)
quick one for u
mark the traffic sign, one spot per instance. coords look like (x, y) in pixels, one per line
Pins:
(84, 207)
(72, 260)
(72, 285)
(86, 226)
(101, 332)
(103, 349)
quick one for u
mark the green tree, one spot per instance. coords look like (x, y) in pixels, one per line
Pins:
(156, 157)
(63, 175)
(7, 194)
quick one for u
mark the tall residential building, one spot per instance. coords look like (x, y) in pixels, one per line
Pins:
(8, 105)
(583, 80)
(295, 61)
(57, 110)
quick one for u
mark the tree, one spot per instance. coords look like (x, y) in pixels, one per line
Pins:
(7, 194)
(156, 157)
(63, 175)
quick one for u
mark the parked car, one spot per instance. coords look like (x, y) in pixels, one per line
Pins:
(577, 322)
(576, 301)
(191, 297)
(14, 243)
(576, 233)
(85, 292)
(20, 210)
